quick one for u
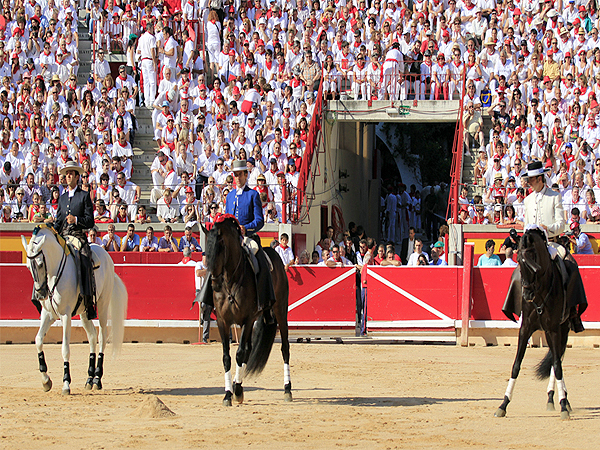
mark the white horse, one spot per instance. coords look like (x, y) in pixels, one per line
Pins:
(55, 285)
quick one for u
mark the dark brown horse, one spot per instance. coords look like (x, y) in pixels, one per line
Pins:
(538, 284)
(235, 302)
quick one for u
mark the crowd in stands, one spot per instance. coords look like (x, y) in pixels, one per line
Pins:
(238, 80)
(538, 77)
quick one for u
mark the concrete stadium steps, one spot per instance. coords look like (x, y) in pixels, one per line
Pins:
(469, 161)
(144, 146)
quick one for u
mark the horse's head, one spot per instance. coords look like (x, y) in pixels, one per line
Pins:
(221, 241)
(533, 260)
(36, 263)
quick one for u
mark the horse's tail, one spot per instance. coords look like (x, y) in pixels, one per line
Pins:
(542, 370)
(263, 336)
(118, 311)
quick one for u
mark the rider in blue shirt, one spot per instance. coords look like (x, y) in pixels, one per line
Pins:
(245, 204)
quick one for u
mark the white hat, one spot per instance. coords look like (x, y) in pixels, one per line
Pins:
(552, 13)
(71, 165)
(251, 116)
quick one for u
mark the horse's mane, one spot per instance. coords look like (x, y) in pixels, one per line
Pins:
(529, 233)
(213, 246)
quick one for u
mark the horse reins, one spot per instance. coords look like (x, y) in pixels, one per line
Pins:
(236, 286)
(61, 269)
(540, 308)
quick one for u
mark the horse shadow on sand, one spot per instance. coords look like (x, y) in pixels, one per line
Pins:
(387, 401)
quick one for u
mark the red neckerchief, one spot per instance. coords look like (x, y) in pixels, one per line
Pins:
(286, 133)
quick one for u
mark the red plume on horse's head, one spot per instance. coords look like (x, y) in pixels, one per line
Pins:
(222, 217)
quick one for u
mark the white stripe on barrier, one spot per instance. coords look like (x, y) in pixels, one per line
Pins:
(322, 289)
(411, 323)
(409, 296)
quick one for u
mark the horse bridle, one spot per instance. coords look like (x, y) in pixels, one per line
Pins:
(533, 286)
(221, 277)
(44, 283)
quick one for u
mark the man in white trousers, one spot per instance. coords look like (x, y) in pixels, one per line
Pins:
(148, 58)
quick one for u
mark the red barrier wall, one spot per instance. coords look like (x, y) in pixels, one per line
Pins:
(11, 257)
(322, 294)
(428, 293)
(319, 296)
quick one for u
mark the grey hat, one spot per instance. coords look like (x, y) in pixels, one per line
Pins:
(239, 165)
(427, 53)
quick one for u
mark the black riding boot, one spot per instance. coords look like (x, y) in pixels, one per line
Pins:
(206, 293)
(576, 323)
(264, 287)
(87, 282)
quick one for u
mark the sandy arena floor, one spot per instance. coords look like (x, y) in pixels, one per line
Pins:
(345, 396)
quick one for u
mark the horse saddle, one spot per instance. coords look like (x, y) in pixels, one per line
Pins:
(251, 248)
(571, 281)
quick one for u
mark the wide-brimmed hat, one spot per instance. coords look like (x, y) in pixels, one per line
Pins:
(239, 165)
(535, 168)
(71, 165)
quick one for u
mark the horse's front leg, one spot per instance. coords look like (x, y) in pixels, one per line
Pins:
(525, 333)
(46, 320)
(550, 391)
(554, 342)
(90, 329)
(224, 330)
(66, 353)
(241, 357)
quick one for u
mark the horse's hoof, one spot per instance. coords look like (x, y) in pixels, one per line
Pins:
(89, 383)
(227, 399)
(564, 415)
(287, 397)
(66, 391)
(569, 407)
(47, 385)
(97, 384)
(550, 407)
(238, 393)
(500, 413)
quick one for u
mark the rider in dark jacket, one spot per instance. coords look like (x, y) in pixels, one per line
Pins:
(75, 214)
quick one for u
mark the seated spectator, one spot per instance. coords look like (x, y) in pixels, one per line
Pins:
(93, 237)
(101, 215)
(168, 243)
(167, 208)
(437, 255)
(509, 261)
(380, 257)
(189, 241)
(418, 250)
(141, 216)
(390, 259)
(422, 260)
(110, 241)
(512, 241)
(581, 242)
(122, 216)
(324, 257)
(131, 241)
(149, 242)
(336, 259)
(42, 215)
(488, 258)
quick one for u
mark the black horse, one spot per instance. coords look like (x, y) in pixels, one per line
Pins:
(537, 291)
(235, 302)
